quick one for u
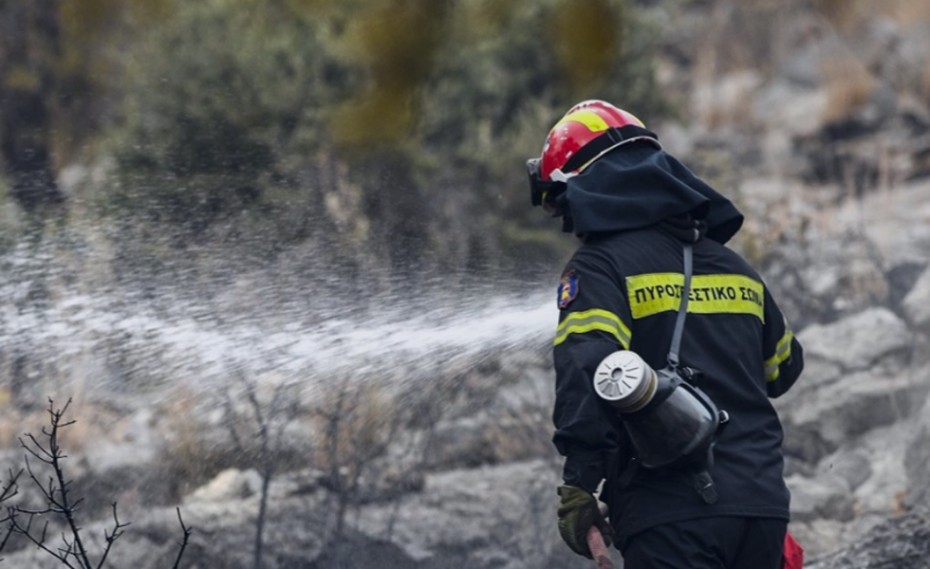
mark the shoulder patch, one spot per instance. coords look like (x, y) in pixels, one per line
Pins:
(568, 288)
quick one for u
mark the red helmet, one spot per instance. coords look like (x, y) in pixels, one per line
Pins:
(588, 130)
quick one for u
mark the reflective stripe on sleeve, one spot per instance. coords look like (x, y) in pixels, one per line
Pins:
(782, 353)
(590, 320)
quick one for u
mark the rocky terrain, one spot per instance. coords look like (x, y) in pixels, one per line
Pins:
(482, 494)
(475, 487)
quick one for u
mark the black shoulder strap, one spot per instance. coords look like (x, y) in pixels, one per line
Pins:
(682, 311)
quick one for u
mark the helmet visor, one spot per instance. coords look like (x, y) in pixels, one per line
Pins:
(544, 192)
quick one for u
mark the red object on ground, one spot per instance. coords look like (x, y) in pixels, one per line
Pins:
(793, 556)
(599, 549)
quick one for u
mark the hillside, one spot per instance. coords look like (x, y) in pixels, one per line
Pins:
(341, 353)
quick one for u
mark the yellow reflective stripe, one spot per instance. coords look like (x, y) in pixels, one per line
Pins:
(591, 320)
(782, 353)
(654, 293)
(586, 117)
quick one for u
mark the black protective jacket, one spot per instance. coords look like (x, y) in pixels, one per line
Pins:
(621, 291)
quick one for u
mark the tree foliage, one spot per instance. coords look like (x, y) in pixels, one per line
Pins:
(396, 130)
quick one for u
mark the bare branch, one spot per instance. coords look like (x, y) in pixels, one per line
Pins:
(230, 413)
(36, 449)
(111, 537)
(70, 551)
(56, 492)
(6, 538)
(186, 538)
(61, 555)
(10, 490)
(12, 487)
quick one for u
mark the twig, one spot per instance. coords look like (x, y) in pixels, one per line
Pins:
(62, 554)
(187, 535)
(56, 492)
(112, 536)
(9, 490)
(12, 487)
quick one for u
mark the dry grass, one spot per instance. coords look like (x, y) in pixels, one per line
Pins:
(749, 36)
(92, 422)
(354, 424)
(15, 423)
(906, 12)
(844, 15)
(739, 36)
(524, 434)
(728, 100)
(850, 15)
(849, 85)
(188, 458)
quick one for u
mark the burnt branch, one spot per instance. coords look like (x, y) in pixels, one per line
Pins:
(62, 554)
(56, 491)
(59, 502)
(263, 424)
(111, 536)
(9, 490)
(187, 531)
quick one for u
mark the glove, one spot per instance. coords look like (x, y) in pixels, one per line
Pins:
(578, 511)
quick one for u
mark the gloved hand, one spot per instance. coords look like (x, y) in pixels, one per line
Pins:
(578, 511)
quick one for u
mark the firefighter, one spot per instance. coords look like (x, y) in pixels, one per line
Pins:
(635, 208)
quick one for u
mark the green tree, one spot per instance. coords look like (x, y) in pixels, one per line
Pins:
(30, 44)
(503, 79)
(222, 109)
(277, 123)
(58, 64)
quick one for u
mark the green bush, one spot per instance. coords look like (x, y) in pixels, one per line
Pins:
(273, 124)
(215, 104)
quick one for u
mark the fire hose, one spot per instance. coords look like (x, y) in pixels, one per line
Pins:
(599, 549)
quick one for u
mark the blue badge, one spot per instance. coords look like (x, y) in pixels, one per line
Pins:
(568, 289)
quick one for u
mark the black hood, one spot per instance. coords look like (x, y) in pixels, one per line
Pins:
(638, 185)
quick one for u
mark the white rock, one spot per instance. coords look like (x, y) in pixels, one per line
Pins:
(230, 484)
(883, 493)
(858, 341)
(822, 498)
(917, 302)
